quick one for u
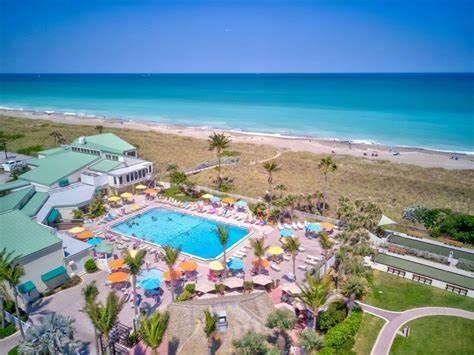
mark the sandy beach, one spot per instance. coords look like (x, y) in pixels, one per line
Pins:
(420, 157)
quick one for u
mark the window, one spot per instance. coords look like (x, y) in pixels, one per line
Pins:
(422, 279)
(136, 175)
(128, 178)
(395, 271)
(120, 180)
(149, 168)
(115, 180)
(456, 289)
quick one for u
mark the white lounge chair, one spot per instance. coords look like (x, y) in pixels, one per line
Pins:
(303, 267)
(294, 225)
(302, 249)
(310, 262)
(275, 267)
(287, 226)
(286, 257)
(300, 225)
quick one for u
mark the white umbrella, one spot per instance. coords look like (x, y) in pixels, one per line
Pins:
(205, 287)
(262, 280)
(234, 282)
(291, 288)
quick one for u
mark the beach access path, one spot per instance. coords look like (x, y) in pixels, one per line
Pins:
(395, 320)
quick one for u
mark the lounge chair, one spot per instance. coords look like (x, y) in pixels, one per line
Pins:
(286, 257)
(287, 226)
(317, 258)
(294, 225)
(303, 267)
(300, 225)
(280, 227)
(275, 267)
(302, 249)
(310, 262)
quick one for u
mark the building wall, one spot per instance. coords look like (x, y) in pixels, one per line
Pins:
(75, 263)
(97, 180)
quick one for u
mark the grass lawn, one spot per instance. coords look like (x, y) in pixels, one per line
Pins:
(397, 294)
(13, 351)
(392, 186)
(436, 335)
(368, 332)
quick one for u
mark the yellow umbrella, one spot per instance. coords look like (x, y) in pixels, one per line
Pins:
(275, 250)
(134, 207)
(207, 196)
(76, 230)
(327, 226)
(114, 199)
(228, 200)
(141, 187)
(133, 252)
(126, 195)
(150, 191)
(216, 266)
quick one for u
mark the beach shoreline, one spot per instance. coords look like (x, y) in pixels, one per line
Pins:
(407, 155)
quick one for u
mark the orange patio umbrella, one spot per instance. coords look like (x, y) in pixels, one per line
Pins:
(261, 263)
(150, 191)
(119, 276)
(84, 235)
(116, 264)
(188, 265)
(176, 275)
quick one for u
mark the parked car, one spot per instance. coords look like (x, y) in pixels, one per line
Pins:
(11, 165)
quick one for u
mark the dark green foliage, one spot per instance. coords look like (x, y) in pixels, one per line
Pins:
(7, 331)
(334, 315)
(9, 306)
(340, 339)
(13, 351)
(31, 150)
(96, 208)
(90, 266)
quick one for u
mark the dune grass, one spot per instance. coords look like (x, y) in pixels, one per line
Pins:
(368, 332)
(392, 186)
(436, 335)
(398, 294)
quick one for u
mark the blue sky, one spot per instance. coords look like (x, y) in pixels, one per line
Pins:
(101, 36)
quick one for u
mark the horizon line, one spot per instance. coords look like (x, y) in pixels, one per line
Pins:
(232, 73)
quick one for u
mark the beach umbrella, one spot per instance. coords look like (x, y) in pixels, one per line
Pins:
(116, 264)
(291, 288)
(262, 280)
(84, 235)
(313, 227)
(205, 287)
(149, 284)
(119, 276)
(176, 275)
(286, 232)
(233, 282)
(104, 248)
(126, 195)
(114, 199)
(188, 265)
(141, 187)
(150, 274)
(235, 264)
(275, 250)
(261, 263)
(76, 230)
(134, 207)
(327, 226)
(215, 199)
(241, 204)
(133, 252)
(228, 200)
(150, 191)
(207, 196)
(216, 266)
(95, 241)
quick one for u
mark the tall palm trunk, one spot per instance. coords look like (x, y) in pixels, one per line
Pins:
(315, 315)
(270, 189)
(2, 312)
(96, 339)
(135, 303)
(325, 192)
(17, 310)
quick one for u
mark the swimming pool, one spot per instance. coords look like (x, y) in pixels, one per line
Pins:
(195, 235)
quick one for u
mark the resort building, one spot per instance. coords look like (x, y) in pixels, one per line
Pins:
(39, 250)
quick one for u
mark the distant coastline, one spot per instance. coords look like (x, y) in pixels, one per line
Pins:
(408, 155)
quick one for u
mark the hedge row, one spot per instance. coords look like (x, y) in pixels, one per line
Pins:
(340, 339)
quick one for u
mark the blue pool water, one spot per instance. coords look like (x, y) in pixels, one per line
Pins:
(194, 235)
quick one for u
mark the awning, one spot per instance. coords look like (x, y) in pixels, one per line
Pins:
(52, 216)
(53, 273)
(26, 287)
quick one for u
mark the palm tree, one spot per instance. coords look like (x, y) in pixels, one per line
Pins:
(7, 137)
(223, 235)
(281, 188)
(270, 167)
(171, 257)
(105, 316)
(282, 320)
(134, 263)
(152, 330)
(259, 250)
(291, 201)
(90, 293)
(325, 242)
(293, 247)
(53, 335)
(58, 137)
(326, 165)
(11, 271)
(219, 142)
(354, 288)
(310, 341)
(314, 294)
(210, 326)
(99, 128)
(3, 291)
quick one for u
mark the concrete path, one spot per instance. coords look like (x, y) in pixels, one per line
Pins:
(395, 320)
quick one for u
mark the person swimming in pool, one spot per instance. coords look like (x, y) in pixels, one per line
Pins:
(170, 219)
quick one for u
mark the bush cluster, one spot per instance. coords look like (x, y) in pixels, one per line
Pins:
(90, 266)
(187, 293)
(340, 339)
(7, 331)
(334, 315)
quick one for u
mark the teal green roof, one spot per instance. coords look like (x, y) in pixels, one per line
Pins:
(23, 236)
(26, 287)
(58, 166)
(428, 271)
(106, 142)
(35, 203)
(52, 151)
(13, 185)
(105, 165)
(15, 199)
(60, 270)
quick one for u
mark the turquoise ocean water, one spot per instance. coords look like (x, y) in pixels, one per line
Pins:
(433, 111)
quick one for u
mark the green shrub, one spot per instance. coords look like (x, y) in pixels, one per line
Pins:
(77, 214)
(184, 296)
(341, 337)
(334, 315)
(191, 288)
(90, 266)
(96, 208)
(13, 351)
(7, 331)
(31, 150)
(9, 306)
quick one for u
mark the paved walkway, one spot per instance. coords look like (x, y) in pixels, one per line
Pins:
(395, 320)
